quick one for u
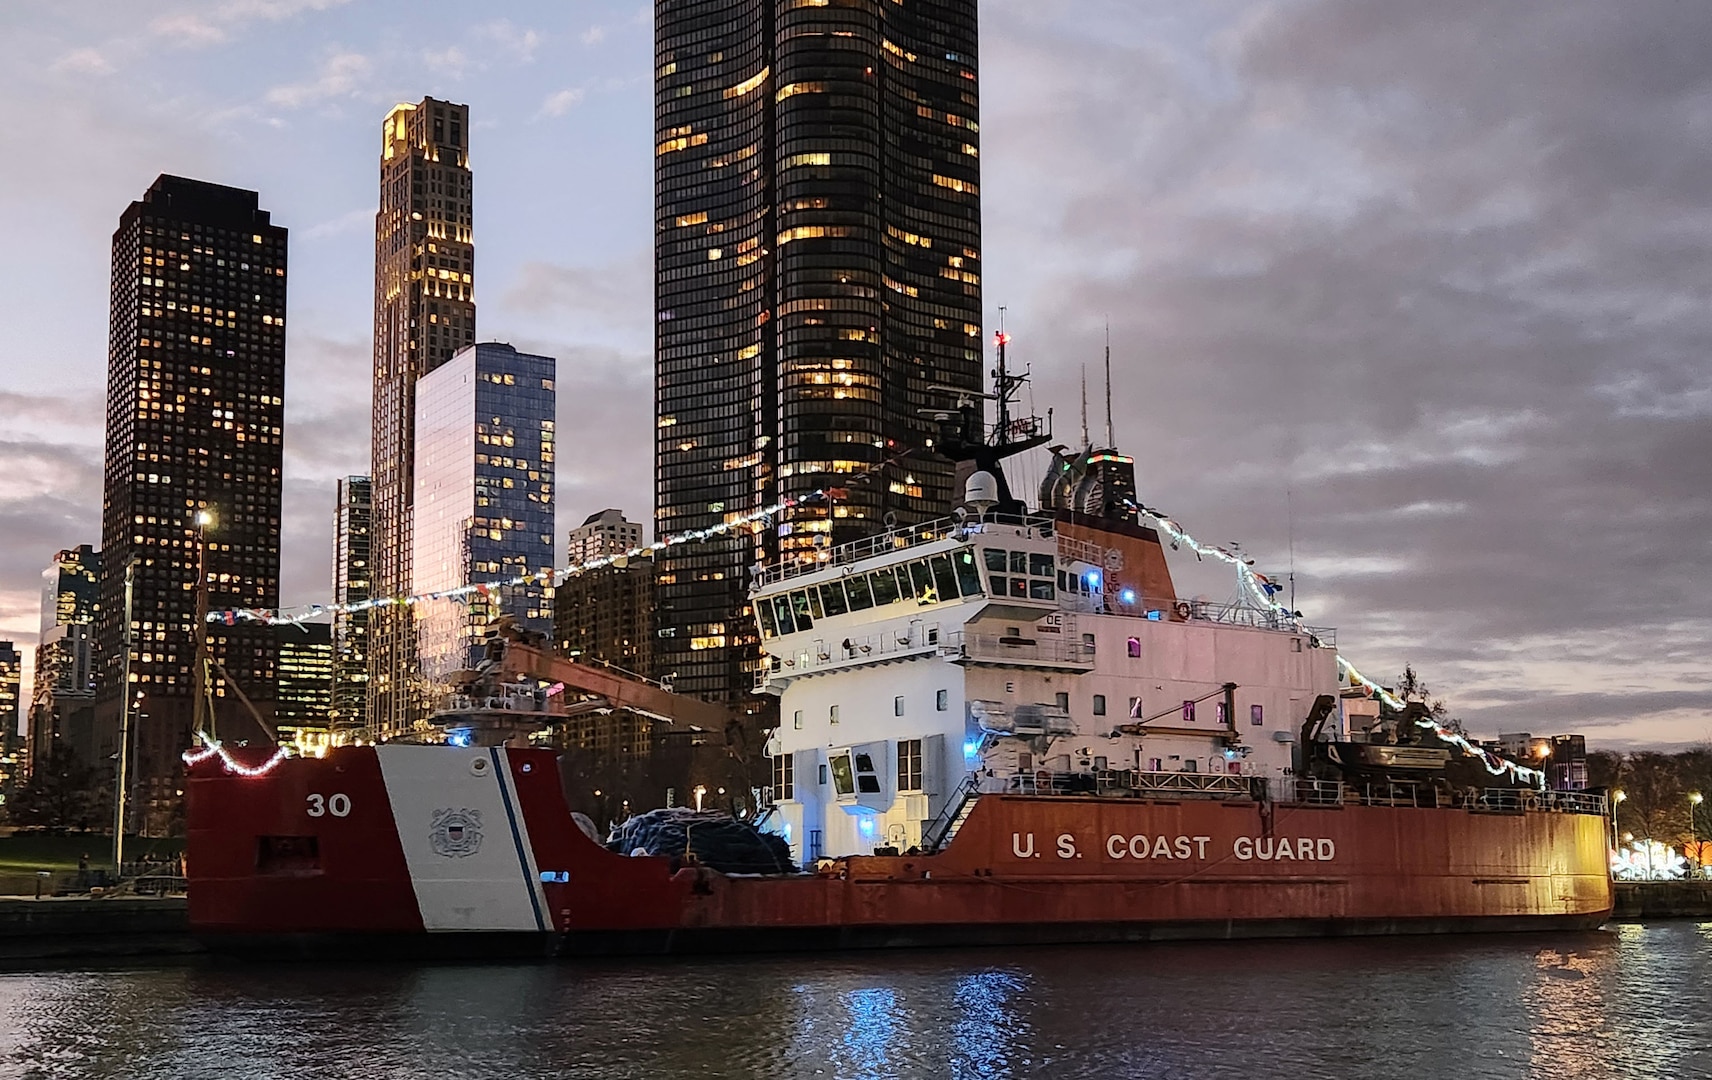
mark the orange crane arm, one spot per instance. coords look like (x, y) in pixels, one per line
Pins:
(620, 691)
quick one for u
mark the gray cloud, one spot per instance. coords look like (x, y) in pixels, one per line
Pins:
(1380, 257)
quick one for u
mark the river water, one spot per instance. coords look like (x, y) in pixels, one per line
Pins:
(1633, 1001)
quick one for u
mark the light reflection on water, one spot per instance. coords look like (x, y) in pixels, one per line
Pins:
(1630, 1002)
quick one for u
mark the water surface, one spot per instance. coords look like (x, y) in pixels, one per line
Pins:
(1635, 1001)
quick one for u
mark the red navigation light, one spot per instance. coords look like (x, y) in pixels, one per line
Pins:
(1001, 337)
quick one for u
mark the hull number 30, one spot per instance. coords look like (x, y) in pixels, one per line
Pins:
(338, 804)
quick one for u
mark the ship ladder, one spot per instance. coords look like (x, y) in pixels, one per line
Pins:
(956, 812)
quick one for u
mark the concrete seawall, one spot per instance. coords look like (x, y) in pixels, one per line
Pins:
(82, 927)
(1663, 900)
(77, 927)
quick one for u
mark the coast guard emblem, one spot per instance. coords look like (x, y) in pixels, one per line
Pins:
(455, 833)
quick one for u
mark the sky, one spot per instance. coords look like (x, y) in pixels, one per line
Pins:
(1410, 298)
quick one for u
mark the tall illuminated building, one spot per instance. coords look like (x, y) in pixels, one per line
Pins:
(484, 499)
(817, 262)
(424, 308)
(64, 684)
(352, 584)
(606, 533)
(303, 712)
(13, 759)
(195, 403)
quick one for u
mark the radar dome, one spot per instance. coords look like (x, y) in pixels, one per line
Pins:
(982, 491)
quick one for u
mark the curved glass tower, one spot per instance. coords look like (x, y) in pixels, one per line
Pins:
(817, 283)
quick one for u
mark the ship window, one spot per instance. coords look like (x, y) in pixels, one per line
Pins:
(1041, 565)
(782, 609)
(1001, 586)
(941, 700)
(909, 764)
(784, 777)
(799, 606)
(898, 705)
(823, 775)
(1135, 708)
(832, 598)
(843, 776)
(1019, 586)
(867, 777)
(832, 713)
(1135, 647)
(861, 599)
(796, 720)
(885, 587)
(1019, 562)
(1099, 704)
(1190, 765)
(1040, 590)
(922, 582)
(943, 579)
(1062, 700)
(814, 608)
(995, 559)
(1256, 715)
(769, 628)
(968, 574)
(1189, 711)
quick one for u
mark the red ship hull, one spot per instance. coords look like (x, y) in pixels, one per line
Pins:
(432, 847)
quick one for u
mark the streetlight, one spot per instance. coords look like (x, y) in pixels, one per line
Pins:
(1617, 798)
(1694, 800)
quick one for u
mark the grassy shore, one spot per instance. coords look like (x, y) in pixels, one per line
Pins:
(27, 852)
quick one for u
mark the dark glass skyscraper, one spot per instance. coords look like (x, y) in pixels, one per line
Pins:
(817, 261)
(425, 311)
(352, 579)
(195, 403)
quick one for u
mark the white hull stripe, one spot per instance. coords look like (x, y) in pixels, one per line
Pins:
(465, 844)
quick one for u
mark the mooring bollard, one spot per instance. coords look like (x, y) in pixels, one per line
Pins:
(40, 876)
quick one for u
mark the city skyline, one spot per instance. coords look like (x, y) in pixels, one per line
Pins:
(1315, 320)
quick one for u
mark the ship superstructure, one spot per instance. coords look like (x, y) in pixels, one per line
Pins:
(1032, 655)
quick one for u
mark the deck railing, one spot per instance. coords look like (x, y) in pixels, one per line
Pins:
(898, 539)
(1136, 783)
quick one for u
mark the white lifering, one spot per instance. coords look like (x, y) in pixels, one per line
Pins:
(1183, 609)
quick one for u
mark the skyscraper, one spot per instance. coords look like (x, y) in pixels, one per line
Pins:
(817, 261)
(71, 587)
(484, 498)
(12, 757)
(64, 686)
(195, 402)
(424, 312)
(606, 533)
(352, 576)
(302, 712)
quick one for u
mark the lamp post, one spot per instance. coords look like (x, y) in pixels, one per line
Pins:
(1694, 800)
(1617, 797)
(201, 722)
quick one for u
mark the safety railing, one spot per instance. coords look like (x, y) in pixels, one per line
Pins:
(1131, 782)
(1033, 650)
(1407, 793)
(898, 539)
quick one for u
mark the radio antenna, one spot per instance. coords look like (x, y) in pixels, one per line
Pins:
(1111, 440)
(1085, 440)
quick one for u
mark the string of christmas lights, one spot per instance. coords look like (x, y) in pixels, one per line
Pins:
(1264, 591)
(213, 748)
(298, 615)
